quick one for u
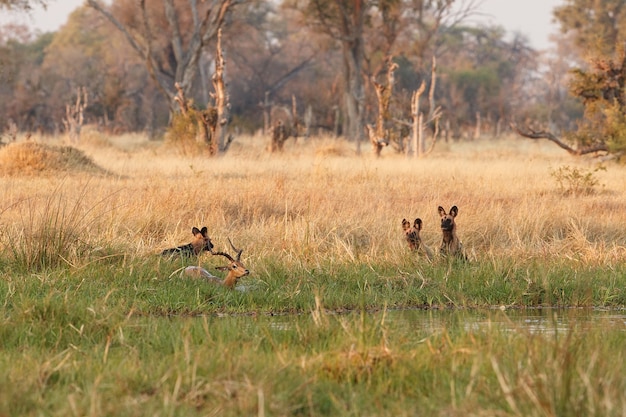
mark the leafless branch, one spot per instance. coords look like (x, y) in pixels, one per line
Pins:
(542, 134)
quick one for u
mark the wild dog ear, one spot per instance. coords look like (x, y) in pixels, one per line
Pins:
(195, 231)
(442, 212)
(204, 231)
(418, 224)
(405, 224)
(454, 211)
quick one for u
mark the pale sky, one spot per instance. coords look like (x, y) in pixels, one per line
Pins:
(532, 18)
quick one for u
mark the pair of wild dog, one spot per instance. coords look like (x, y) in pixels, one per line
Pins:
(450, 245)
(202, 243)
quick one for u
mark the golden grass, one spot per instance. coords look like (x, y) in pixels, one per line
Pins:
(32, 158)
(319, 200)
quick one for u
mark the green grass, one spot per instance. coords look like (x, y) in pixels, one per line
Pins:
(64, 355)
(337, 317)
(155, 287)
(123, 336)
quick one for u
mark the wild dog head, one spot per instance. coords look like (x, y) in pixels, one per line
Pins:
(200, 243)
(412, 234)
(447, 219)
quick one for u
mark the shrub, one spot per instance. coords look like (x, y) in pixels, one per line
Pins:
(576, 181)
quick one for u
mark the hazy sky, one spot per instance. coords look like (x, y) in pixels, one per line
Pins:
(532, 18)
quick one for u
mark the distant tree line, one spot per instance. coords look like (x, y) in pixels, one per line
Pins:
(324, 56)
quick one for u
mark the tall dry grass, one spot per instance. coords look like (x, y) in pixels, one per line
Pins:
(318, 200)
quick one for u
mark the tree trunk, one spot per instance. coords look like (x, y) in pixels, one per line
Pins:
(353, 57)
(222, 106)
(477, 128)
(416, 115)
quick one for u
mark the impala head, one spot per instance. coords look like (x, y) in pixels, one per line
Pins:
(234, 268)
(447, 220)
(201, 242)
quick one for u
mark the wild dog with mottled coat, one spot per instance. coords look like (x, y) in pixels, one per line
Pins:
(451, 244)
(412, 236)
(200, 243)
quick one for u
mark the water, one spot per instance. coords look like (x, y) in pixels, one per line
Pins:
(533, 320)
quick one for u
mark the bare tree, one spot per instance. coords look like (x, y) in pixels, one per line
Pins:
(183, 61)
(380, 135)
(211, 122)
(74, 115)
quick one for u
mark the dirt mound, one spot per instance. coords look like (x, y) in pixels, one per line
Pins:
(31, 158)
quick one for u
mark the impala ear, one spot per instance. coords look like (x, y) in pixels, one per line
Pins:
(222, 268)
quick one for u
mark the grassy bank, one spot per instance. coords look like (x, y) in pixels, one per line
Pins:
(316, 364)
(95, 321)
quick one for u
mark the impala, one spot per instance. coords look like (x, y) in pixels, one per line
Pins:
(235, 269)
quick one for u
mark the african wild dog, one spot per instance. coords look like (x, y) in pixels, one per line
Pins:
(412, 236)
(199, 244)
(451, 244)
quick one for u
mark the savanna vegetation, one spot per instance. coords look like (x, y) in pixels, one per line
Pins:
(138, 121)
(95, 320)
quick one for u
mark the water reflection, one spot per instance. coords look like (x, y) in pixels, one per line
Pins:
(533, 320)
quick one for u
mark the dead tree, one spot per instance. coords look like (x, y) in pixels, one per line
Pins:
(266, 107)
(379, 134)
(211, 122)
(221, 103)
(74, 115)
(417, 116)
(417, 124)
